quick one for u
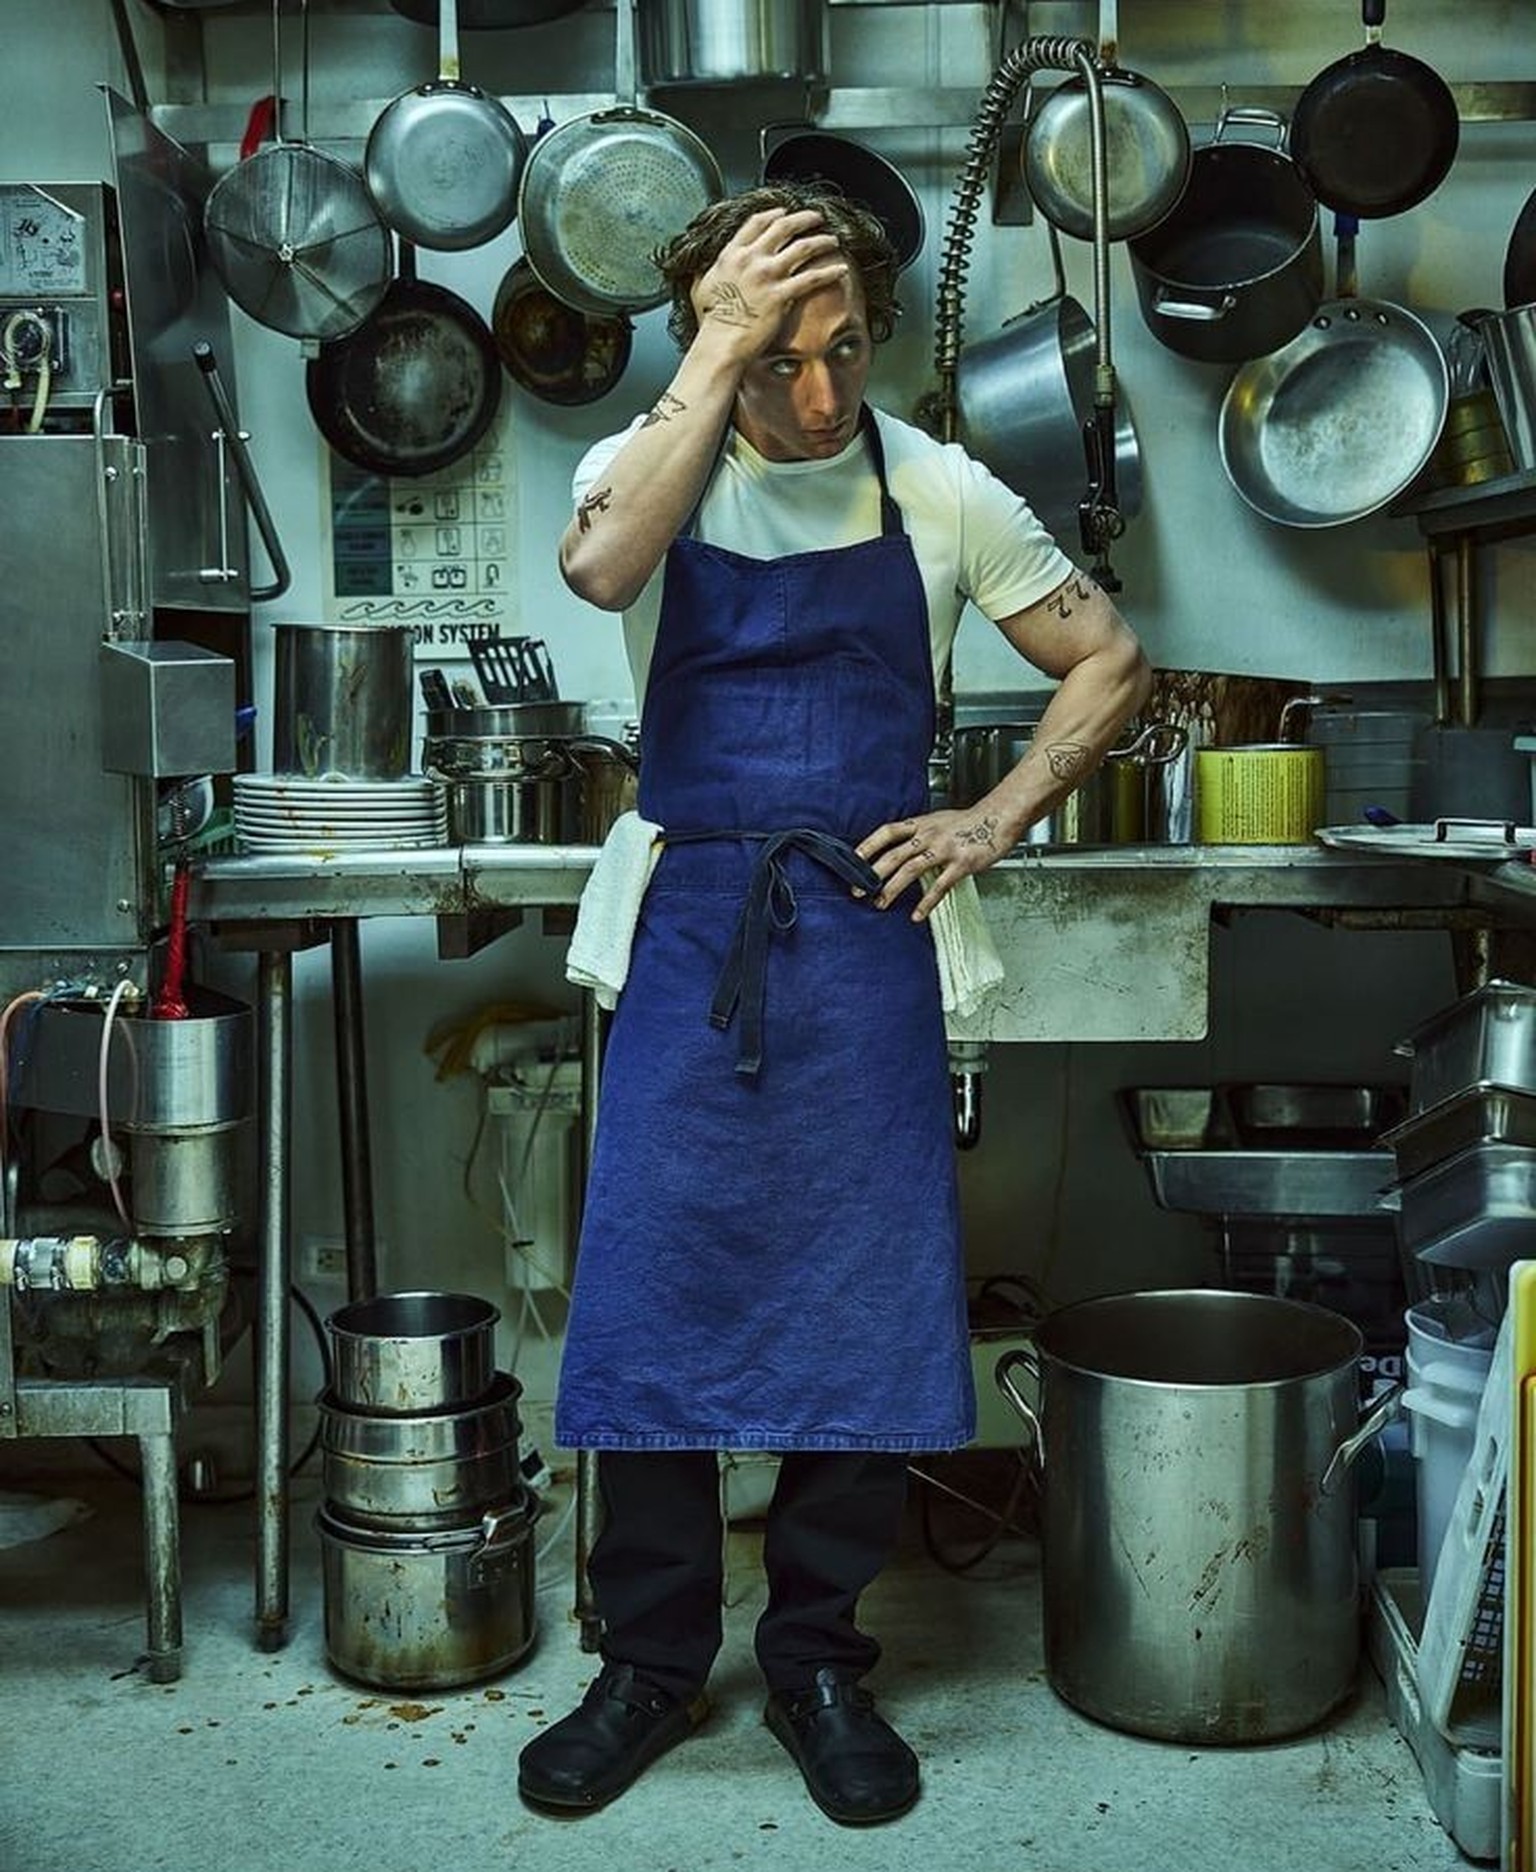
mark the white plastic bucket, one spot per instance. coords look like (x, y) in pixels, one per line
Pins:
(1449, 1353)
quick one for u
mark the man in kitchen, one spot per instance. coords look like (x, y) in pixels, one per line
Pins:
(770, 1255)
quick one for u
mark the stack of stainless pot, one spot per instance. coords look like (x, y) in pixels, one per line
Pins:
(426, 1524)
(525, 773)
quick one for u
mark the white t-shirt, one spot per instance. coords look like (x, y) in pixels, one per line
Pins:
(974, 538)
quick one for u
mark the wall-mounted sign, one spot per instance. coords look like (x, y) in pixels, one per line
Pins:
(432, 551)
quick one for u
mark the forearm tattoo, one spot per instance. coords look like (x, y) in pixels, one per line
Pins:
(667, 406)
(1081, 588)
(595, 503)
(730, 306)
(1066, 759)
(981, 832)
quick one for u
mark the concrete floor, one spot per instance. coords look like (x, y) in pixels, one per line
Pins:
(272, 1763)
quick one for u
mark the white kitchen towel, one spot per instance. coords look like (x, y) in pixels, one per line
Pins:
(609, 908)
(970, 968)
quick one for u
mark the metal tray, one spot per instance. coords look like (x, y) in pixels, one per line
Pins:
(1475, 1210)
(1488, 1037)
(1482, 1114)
(1340, 1116)
(1297, 1183)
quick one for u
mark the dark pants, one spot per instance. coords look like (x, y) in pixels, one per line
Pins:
(657, 1572)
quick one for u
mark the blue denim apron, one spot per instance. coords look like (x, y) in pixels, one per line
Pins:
(770, 1250)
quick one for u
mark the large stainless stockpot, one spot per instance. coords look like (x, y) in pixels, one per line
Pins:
(1199, 1515)
(404, 1353)
(430, 1470)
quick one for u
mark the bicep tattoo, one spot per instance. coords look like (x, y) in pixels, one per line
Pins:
(1081, 588)
(594, 504)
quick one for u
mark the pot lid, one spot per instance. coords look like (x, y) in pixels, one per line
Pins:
(1491, 841)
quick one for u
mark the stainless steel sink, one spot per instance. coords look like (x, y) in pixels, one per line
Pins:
(1292, 1183)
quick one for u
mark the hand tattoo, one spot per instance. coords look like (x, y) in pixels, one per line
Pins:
(1066, 759)
(667, 407)
(1081, 588)
(983, 832)
(596, 503)
(729, 305)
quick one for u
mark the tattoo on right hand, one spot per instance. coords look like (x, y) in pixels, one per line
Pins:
(729, 305)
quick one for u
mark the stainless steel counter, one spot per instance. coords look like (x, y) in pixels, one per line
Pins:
(1106, 943)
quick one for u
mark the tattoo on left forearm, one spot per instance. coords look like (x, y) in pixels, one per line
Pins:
(1066, 759)
(982, 832)
(595, 503)
(667, 406)
(1081, 588)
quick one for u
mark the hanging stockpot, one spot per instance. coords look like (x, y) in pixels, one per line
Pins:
(1147, 151)
(1236, 269)
(444, 161)
(601, 193)
(293, 233)
(725, 42)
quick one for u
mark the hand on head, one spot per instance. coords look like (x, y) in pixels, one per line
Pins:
(777, 258)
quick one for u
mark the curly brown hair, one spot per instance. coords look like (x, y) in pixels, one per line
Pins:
(860, 234)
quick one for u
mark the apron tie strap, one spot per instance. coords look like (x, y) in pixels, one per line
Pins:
(769, 906)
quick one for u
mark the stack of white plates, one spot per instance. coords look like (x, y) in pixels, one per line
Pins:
(287, 812)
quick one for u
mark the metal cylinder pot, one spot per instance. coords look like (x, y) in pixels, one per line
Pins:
(426, 1612)
(1236, 269)
(1198, 1515)
(413, 1353)
(343, 701)
(684, 42)
(428, 1471)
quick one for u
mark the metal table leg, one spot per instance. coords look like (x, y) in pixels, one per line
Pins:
(162, 1554)
(588, 1502)
(352, 1104)
(274, 1019)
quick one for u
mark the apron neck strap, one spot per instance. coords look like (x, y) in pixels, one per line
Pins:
(890, 514)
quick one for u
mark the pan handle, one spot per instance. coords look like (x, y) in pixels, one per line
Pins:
(1203, 310)
(229, 435)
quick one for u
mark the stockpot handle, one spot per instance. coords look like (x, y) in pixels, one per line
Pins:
(604, 744)
(1252, 114)
(1157, 744)
(1204, 311)
(1027, 1358)
(1381, 1413)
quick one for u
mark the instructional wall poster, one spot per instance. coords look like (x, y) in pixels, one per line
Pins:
(432, 551)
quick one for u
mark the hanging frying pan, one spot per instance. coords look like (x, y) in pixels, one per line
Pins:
(414, 388)
(444, 161)
(1376, 132)
(857, 171)
(602, 192)
(292, 232)
(1520, 257)
(1147, 154)
(553, 351)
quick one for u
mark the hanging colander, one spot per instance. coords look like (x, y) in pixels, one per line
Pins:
(293, 233)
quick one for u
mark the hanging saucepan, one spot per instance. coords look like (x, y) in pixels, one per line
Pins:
(1336, 423)
(1376, 132)
(792, 154)
(1023, 396)
(1146, 148)
(483, 15)
(414, 388)
(1237, 268)
(602, 192)
(443, 162)
(292, 232)
(553, 351)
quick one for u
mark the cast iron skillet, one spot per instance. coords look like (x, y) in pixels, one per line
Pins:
(862, 174)
(414, 387)
(1376, 132)
(1520, 257)
(553, 351)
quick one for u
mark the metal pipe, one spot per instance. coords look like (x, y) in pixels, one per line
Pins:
(274, 1019)
(352, 1103)
(1468, 701)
